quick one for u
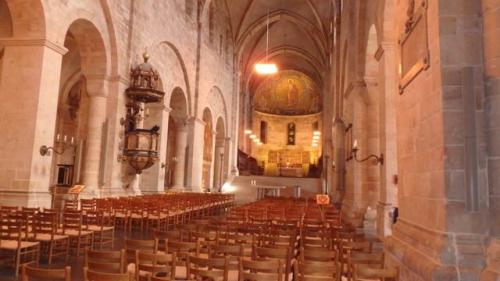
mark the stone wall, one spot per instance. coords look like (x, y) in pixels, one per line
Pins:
(179, 48)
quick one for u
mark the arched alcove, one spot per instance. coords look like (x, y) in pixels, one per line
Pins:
(177, 143)
(80, 123)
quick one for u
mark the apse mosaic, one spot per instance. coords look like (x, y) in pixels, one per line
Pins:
(288, 93)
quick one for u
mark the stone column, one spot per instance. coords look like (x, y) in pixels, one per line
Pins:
(153, 179)
(218, 164)
(29, 92)
(228, 159)
(180, 155)
(195, 154)
(212, 170)
(388, 138)
(96, 118)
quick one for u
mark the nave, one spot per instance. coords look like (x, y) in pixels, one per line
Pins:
(188, 237)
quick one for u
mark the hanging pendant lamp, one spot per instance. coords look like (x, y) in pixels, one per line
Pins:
(266, 68)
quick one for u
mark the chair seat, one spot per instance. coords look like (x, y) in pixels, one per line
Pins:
(13, 244)
(155, 217)
(74, 232)
(44, 237)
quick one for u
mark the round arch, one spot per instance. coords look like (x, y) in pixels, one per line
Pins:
(31, 10)
(187, 87)
(91, 46)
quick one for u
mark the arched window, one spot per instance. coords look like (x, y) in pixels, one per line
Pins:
(291, 134)
(263, 132)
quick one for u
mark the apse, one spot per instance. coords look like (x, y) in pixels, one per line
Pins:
(286, 125)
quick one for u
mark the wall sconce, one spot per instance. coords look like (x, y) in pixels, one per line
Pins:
(45, 150)
(378, 159)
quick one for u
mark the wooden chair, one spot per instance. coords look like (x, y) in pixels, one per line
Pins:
(156, 218)
(73, 227)
(316, 271)
(104, 235)
(318, 254)
(52, 244)
(105, 261)
(88, 205)
(28, 272)
(282, 254)
(14, 250)
(90, 275)
(363, 272)
(250, 270)
(182, 250)
(137, 218)
(375, 260)
(144, 245)
(200, 268)
(151, 264)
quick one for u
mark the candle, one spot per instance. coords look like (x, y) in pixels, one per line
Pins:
(65, 138)
(72, 140)
(355, 144)
(58, 137)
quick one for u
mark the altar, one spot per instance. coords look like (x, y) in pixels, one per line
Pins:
(294, 172)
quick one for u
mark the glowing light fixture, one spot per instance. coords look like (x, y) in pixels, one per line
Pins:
(253, 136)
(317, 133)
(266, 68)
(316, 137)
(314, 144)
(248, 132)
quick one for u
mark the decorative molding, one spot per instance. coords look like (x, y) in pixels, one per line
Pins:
(379, 53)
(34, 42)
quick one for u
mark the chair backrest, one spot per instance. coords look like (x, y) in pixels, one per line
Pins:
(317, 254)
(72, 220)
(105, 261)
(215, 269)
(90, 275)
(362, 272)
(28, 272)
(373, 259)
(250, 270)
(144, 245)
(182, 248)
(235, 250)
(317, 270)
(45, 223)
(154, 263)
(88, 204)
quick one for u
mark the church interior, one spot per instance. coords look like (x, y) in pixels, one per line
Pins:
(224, 140)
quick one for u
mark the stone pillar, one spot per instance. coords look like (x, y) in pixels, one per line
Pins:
(228, 159)
(195, 154)
(388, 138)
(218, 164)
(180, 155)
(29, 92)
(355, 200)
(491, 35)
(96, 118)
(153, 179)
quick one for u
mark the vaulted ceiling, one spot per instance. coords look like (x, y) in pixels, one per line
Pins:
(298, 34)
